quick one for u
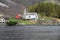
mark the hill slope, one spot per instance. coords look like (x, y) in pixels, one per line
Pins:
(17, 6)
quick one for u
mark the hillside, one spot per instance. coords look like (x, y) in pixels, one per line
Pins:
(17, 6)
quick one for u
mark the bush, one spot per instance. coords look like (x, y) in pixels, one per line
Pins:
(11, 22)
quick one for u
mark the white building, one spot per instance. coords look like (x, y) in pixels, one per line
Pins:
(2, 20)
(29, 15)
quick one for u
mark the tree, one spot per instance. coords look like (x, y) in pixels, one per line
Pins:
(46, 9)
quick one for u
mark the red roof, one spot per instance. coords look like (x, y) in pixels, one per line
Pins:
(18, 16)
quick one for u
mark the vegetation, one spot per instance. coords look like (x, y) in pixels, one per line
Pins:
(46, 9)
(26, 22)
(11, 22)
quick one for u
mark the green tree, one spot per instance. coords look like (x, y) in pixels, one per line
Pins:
(46, 9)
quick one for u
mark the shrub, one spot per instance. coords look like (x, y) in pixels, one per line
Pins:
(11, 22)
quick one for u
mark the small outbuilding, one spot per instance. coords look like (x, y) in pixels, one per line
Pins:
(18, 16)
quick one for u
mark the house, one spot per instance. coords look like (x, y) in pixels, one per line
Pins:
(2, 20)
(30, 15)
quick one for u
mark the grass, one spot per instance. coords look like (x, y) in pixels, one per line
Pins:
(48, 18)
(11, 22)
(45, 18)
(28, 22)
(25, 21)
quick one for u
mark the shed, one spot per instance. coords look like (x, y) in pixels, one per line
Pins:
(18, 16)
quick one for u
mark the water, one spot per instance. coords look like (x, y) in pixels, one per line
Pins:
(30, 33)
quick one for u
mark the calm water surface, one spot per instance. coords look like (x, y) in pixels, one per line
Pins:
(30, 33)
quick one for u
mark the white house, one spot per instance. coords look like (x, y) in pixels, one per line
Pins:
(2, 20)
(30, 15)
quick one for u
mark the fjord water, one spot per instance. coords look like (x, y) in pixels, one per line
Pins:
(30, 33)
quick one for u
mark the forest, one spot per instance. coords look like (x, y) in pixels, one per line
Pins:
(46, 9)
